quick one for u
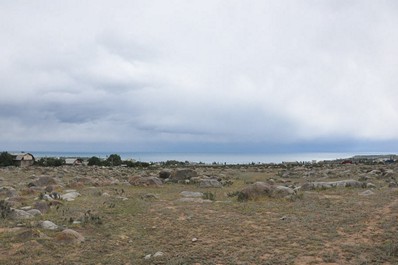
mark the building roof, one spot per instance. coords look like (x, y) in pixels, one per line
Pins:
(22, 156)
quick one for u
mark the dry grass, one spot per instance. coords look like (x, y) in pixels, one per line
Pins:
(336, 226)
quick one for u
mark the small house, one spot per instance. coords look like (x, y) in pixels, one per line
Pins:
(23, 159)
(73, 161)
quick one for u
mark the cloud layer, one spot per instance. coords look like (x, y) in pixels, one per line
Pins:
(160, 75)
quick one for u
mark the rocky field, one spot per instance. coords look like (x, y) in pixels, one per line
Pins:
(257, 214)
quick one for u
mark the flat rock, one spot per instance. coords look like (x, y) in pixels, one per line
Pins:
(196, 200)
(366, 193)
(20, 214)
(192, 194)
(34, 212)
(70, 196)
(333, 184)
(48, 225)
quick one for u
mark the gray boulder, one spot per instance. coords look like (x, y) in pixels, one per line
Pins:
(20, 214)
(261, 189)
(180, 175)
(43, 181)
(145, 181)
(210, 183)
(8, 192)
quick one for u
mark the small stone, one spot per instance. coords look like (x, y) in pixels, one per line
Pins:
(366, 193)
(34, 212)
(370, 185)
(158, 254)
(194, 239)
(147, 257)
(191, 194)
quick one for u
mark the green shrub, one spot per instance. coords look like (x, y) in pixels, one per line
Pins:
(6, 159)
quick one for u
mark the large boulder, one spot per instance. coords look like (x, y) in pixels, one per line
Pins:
(20, 214)
(180, 175)
(8, 192)
(43, 181)
(145, 181)
(261, 189)
(210, 183)
(164, 174)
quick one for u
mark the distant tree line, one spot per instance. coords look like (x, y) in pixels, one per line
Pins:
(6, 159)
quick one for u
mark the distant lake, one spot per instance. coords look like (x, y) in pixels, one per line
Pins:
(208, 158)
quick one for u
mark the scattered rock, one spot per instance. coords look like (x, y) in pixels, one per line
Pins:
(191, 194)
(326, 185)
(8, 192)
(48, 225)
(43, 181)
(41, 206)
(70, 236)
(366, 193)
(34, 212)
(194, 239)
(70, 196)
(145, 181)
(147, 257)
(182, 175)
(196, 200)
(370, 185)
(210, 183)
(259, 189)
(20, 214)
(158, 254)
(149, 196)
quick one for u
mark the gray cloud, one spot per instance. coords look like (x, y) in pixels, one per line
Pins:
(151, 72)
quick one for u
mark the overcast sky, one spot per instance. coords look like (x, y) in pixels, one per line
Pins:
(201, 75)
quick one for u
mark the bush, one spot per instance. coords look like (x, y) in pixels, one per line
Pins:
(50, 162)
(6, 159)
(114, 160)
(136, 164)
(94, 161)
(5, 209)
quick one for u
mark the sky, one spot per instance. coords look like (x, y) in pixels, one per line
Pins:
(199, 76)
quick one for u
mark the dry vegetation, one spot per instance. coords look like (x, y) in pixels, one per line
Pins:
(123, 224)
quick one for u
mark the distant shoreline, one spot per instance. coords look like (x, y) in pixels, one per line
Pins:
(220, 158)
